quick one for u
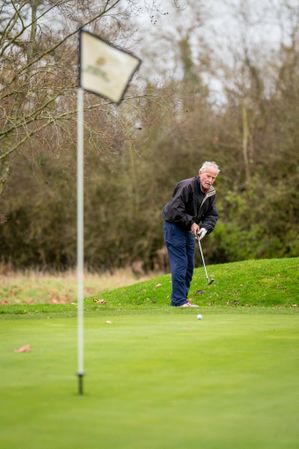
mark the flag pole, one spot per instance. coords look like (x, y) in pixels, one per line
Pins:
(94, 51)
(80, 234)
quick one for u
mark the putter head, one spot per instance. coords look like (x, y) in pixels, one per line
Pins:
(210, 281)
(199, 292)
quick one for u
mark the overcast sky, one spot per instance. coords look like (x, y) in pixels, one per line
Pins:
(159, 26)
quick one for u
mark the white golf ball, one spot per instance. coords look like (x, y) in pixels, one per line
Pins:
(199, 316)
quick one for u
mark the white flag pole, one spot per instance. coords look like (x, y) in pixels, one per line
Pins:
(104, 70)
(80, 234)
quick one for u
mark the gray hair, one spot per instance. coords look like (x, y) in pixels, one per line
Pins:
(205, 166)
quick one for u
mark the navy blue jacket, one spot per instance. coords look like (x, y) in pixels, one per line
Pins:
(190, 205)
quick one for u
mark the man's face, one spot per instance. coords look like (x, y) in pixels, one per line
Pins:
(207, 178)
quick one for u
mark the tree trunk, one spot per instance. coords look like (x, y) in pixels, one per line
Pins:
(245, 142)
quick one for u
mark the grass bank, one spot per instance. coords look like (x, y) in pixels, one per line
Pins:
(262, 283)
(271, 282)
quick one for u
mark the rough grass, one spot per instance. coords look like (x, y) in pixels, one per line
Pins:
(33, 287)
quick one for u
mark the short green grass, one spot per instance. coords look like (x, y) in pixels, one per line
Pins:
(156, 377)
(154, 380)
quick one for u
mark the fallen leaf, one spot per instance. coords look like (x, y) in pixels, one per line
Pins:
(24, 348)
(100, 301)
(158, 285)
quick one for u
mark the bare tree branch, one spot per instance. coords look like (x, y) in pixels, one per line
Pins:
(25, 27)
(29, 118)
(11, 23)
(50, 50)
(66, 115)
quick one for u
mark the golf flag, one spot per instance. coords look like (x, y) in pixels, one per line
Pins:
(105, 69)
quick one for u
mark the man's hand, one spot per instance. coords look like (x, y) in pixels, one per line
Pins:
(201, 233)
(195, 229)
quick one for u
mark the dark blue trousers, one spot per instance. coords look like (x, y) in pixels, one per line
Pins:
(180, 245)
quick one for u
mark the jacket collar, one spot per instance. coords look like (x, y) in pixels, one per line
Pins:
(208, 194)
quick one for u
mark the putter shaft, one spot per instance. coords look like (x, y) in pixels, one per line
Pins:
(204, 265)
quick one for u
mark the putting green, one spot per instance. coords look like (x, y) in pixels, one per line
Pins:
(155, 379)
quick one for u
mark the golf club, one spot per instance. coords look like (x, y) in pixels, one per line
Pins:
(210, 280)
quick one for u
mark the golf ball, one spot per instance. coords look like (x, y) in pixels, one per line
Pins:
(199, 316)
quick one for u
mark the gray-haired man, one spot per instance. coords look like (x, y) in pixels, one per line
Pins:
(190, 212)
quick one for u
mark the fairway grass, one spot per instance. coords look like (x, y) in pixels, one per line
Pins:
(156, 379)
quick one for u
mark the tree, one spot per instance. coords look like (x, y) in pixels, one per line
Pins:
(38, 67)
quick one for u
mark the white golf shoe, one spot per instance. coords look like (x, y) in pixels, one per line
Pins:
(189, 304)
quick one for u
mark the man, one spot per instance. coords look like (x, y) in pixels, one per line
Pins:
(190, 213)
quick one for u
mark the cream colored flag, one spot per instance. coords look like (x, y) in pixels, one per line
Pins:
(104, 69)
